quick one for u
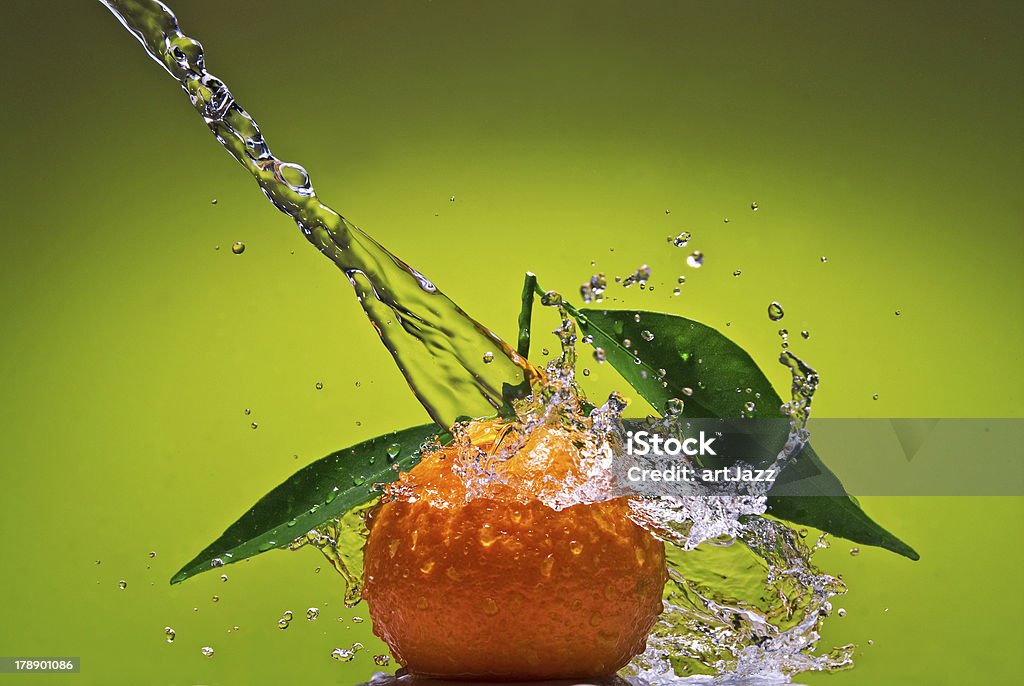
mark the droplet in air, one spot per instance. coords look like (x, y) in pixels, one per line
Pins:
(695, 259)
(169, 634)
(775, 311)
(488, 357)
(122, 584)
(238, 247)
(207, 651)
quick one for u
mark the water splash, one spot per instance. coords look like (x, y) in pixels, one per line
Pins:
(437, 346)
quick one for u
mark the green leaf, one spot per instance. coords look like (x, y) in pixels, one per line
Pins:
(313, 495)
(704, 369)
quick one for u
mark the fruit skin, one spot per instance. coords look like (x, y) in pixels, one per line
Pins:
(501, 586)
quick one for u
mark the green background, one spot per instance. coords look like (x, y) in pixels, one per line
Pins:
(886, 136)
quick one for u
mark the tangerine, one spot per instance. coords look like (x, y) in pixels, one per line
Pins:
(496, 584)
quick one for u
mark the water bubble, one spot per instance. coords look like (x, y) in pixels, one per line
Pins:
(775, 311)
(737, 272)
(488, 357)
(674, 407)
(207, 651)
(169, 634)
(754, 206)
(312, 613)
(342, 655)
(238, 247)
(647, 335)
(682, 239)
(600, 355)
(381, 660)
(122, 584)
(695, 259)
(854, 552)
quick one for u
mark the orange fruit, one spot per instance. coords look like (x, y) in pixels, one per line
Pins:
(500, 586)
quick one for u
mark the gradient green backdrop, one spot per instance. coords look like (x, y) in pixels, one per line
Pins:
(886, 136)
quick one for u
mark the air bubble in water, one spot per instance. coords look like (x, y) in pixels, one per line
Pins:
(775, 311)
(238, 247)
(207, 651)
(169, 634)
(695, 259)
